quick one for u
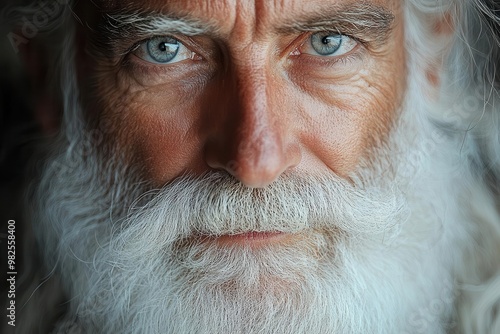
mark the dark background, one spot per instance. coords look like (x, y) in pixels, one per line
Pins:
(18, 131)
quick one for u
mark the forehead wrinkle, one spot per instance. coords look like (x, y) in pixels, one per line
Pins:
(245, 22)
(269, 11)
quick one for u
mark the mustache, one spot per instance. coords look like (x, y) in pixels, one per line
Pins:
(217, 204)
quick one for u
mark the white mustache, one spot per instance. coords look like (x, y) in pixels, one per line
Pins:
(217, 204)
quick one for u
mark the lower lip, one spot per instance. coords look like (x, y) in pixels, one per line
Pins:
(250, 237)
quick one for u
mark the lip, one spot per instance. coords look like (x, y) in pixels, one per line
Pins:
(250, 238)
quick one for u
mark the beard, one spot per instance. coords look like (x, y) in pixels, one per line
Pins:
(146, 261)
(375, 253)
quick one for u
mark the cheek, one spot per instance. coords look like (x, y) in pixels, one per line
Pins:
(352, 116)
(166, 146)
(157, 130)
(344, 121)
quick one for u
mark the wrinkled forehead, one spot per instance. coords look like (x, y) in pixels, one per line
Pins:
(227, 15)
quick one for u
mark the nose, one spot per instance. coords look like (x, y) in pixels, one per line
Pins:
(253, 138)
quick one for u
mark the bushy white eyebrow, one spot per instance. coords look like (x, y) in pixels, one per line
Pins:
(149, 24)
(365, 21)
(119, 32)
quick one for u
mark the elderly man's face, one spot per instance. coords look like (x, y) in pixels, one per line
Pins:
(258, 166)
(260, 88)
(252, 173)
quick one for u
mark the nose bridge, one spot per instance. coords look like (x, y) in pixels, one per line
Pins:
(250, 145)
(257, 138)
(255, 111)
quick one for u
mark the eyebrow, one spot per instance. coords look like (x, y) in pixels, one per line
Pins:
(367, 22)
(153, 23)
(118, 31)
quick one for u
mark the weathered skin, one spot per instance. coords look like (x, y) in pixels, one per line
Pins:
(250, 101)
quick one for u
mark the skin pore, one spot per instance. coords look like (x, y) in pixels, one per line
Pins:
(248, 95)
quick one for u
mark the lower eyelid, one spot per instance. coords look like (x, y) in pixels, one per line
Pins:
(312, 62)
(134, 63)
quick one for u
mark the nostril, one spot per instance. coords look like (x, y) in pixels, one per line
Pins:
(257, 159)
(257, 169)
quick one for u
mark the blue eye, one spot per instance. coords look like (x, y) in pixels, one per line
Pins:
(163, 49)
(328, 44)
(325, 43)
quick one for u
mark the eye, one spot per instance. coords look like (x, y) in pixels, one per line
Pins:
(328, 43)
(163, 50)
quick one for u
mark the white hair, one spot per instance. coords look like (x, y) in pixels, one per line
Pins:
(428, 264)
(470, 103)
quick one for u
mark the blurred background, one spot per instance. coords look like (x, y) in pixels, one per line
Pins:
(17, 125)
(19, 131)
